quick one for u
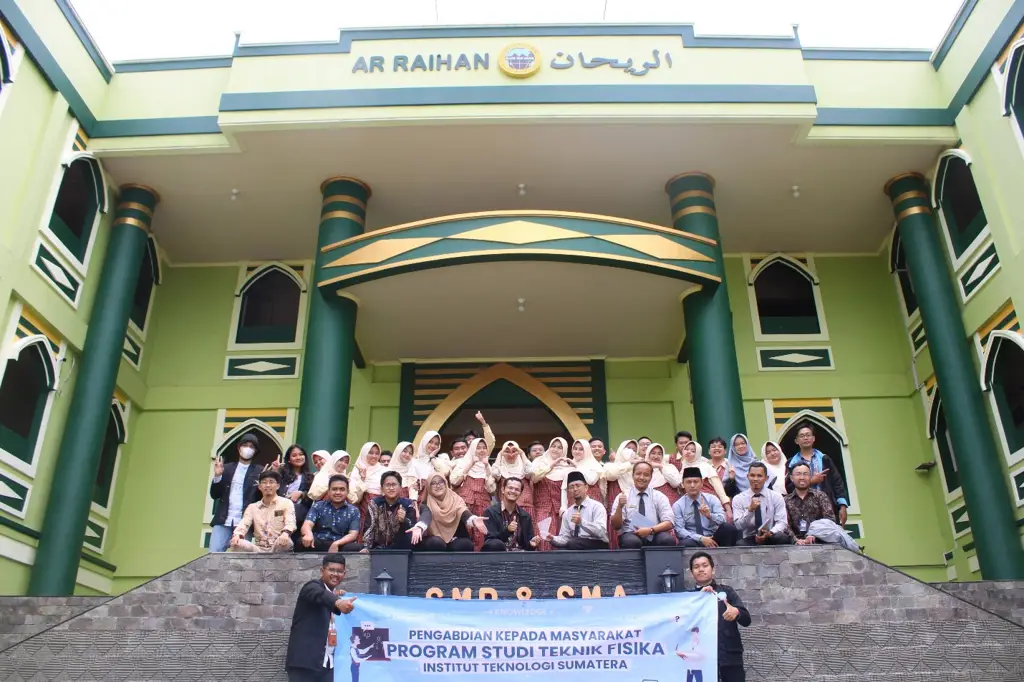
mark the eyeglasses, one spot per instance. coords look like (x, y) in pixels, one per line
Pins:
(437, 484)
(390, 484)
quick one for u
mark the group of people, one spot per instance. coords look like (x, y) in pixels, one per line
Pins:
(541, 498)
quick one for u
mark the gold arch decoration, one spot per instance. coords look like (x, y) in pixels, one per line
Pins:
(502, 370)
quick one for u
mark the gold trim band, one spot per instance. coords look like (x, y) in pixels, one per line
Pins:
(336, 178)
(913, 210)
(135, 206)
(693, 209)
(134, 222)
(690, 193)
(518, 214)
(347, 198)
(912, 194)
(354, 217)
(911, 174)
(145, 187)
(687, 174)
(462, 256)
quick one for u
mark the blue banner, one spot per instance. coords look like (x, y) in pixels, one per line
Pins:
(647, 637)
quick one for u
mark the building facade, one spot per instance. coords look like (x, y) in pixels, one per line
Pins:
(590, 230)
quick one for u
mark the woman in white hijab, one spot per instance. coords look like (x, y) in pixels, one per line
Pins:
(472, 481)
(549, 471)
(665, 477)
(401, 463)
(775, 461)
(593, 471)
(618, 476)
(429, 459)
(512, 462)
(333, 464)
(364, 483)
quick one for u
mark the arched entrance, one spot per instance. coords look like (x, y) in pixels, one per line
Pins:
(517, 406)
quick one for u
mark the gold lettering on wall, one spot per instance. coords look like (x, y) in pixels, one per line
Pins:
(523, 593)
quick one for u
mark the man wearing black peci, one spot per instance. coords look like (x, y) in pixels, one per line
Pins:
(314, 635)
(731, 613)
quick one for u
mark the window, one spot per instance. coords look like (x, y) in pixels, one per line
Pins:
(959, 203)
(825, 441)
(269, 450)
(269, 311)
(898, 265)
(944, 445)
(1008, 391)
(79, 200)
(148, 278)
(113, 438)
(26, 385)
(1013, 86)
(785, 299)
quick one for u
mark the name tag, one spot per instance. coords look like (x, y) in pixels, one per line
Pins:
(279, 512)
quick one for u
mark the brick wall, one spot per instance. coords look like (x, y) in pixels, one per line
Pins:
(1003, 597)
(22, 617)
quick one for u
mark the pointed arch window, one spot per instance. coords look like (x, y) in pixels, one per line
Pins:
(25, 389)
(898, 266)
(1003, 375)
(270, 307)
(1013, 85)
(149, 277)
(785, 300)
(939, 433)
(81, 198)
(113, 438)
(956, 198)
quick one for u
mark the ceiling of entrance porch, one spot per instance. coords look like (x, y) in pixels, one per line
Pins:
(615, 168)
(471, 311)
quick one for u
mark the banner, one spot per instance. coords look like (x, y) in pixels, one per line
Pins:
(646, 637)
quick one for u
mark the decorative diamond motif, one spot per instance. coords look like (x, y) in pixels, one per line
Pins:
(261, 366)
(795, 358)
(519, 232)
(656, 246)
(58, 274)
(381, 250)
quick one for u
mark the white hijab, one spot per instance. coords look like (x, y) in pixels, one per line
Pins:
(421, 465)
(477, 469)
(397, 465)
(318, 488)
(372, 479)
(657, 478)
(624, 457)
(517, 468)
(775, 471)
(557, 473)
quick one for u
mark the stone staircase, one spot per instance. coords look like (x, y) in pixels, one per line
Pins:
(819, 613)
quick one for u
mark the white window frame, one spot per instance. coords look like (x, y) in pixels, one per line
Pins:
(140, 334)
(1012, 457)
(964, 296)
(952, 525)
(70, 156)
(11, 349)
(15, 56)
(837, 430)
(300, 322)
(912, 318)
(1002, 80)
(101, 510)
(957, 261)
(1019, 499)
(61, 257)
(28, 495)
(810, 270)
(932, 413)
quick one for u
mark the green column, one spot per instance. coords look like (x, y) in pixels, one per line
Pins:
(710, 345)
(330, 336)
(980, 464)
(78, 459)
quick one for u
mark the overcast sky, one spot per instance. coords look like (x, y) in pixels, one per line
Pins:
(152, 29)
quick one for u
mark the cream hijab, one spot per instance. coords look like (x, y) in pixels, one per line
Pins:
(445, 512)
(318, 488)
(373, 472)
(657, 478)
(557, 473)
(421, 465)
(587, 463)
(699, 454)
(517, 468)
(403, 469)
(477, 469)
(622, 470)
(775, 471)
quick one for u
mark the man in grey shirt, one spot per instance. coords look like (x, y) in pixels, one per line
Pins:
(645, 506)
(584, 524)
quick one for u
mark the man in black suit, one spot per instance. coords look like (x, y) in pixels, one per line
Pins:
(314, 635)
(731, 613)
(509, 527)
(233, 489)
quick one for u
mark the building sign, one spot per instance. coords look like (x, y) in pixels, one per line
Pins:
(524, 593)
(518, 60)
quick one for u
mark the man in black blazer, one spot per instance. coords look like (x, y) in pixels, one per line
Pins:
(314, 634)
(233, 488)
(731, 613)
(509, 527)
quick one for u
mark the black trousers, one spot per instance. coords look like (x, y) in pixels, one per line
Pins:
(324, 545)
(775, 539)
(583, 543)
(732, 673)
(436, 544)
(725, 535)
(634, 541)
(310, 675)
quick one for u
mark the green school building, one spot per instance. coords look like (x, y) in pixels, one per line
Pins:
(596, 230)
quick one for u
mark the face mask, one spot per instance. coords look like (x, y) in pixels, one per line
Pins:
(247, 452)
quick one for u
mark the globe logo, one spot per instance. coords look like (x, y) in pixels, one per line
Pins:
(519, 61)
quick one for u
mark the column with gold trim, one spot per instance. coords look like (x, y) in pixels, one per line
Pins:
(78, 459)
(330, 336)
(989, 508)
(710, 346)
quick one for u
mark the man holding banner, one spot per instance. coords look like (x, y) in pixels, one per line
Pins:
(572, 640)
(731, 613)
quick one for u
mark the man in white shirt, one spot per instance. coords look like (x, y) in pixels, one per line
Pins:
(642, 515)
(760, 513)
(584, 524)
(233, 488)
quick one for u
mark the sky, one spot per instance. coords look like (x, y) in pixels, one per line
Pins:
(158, 29)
